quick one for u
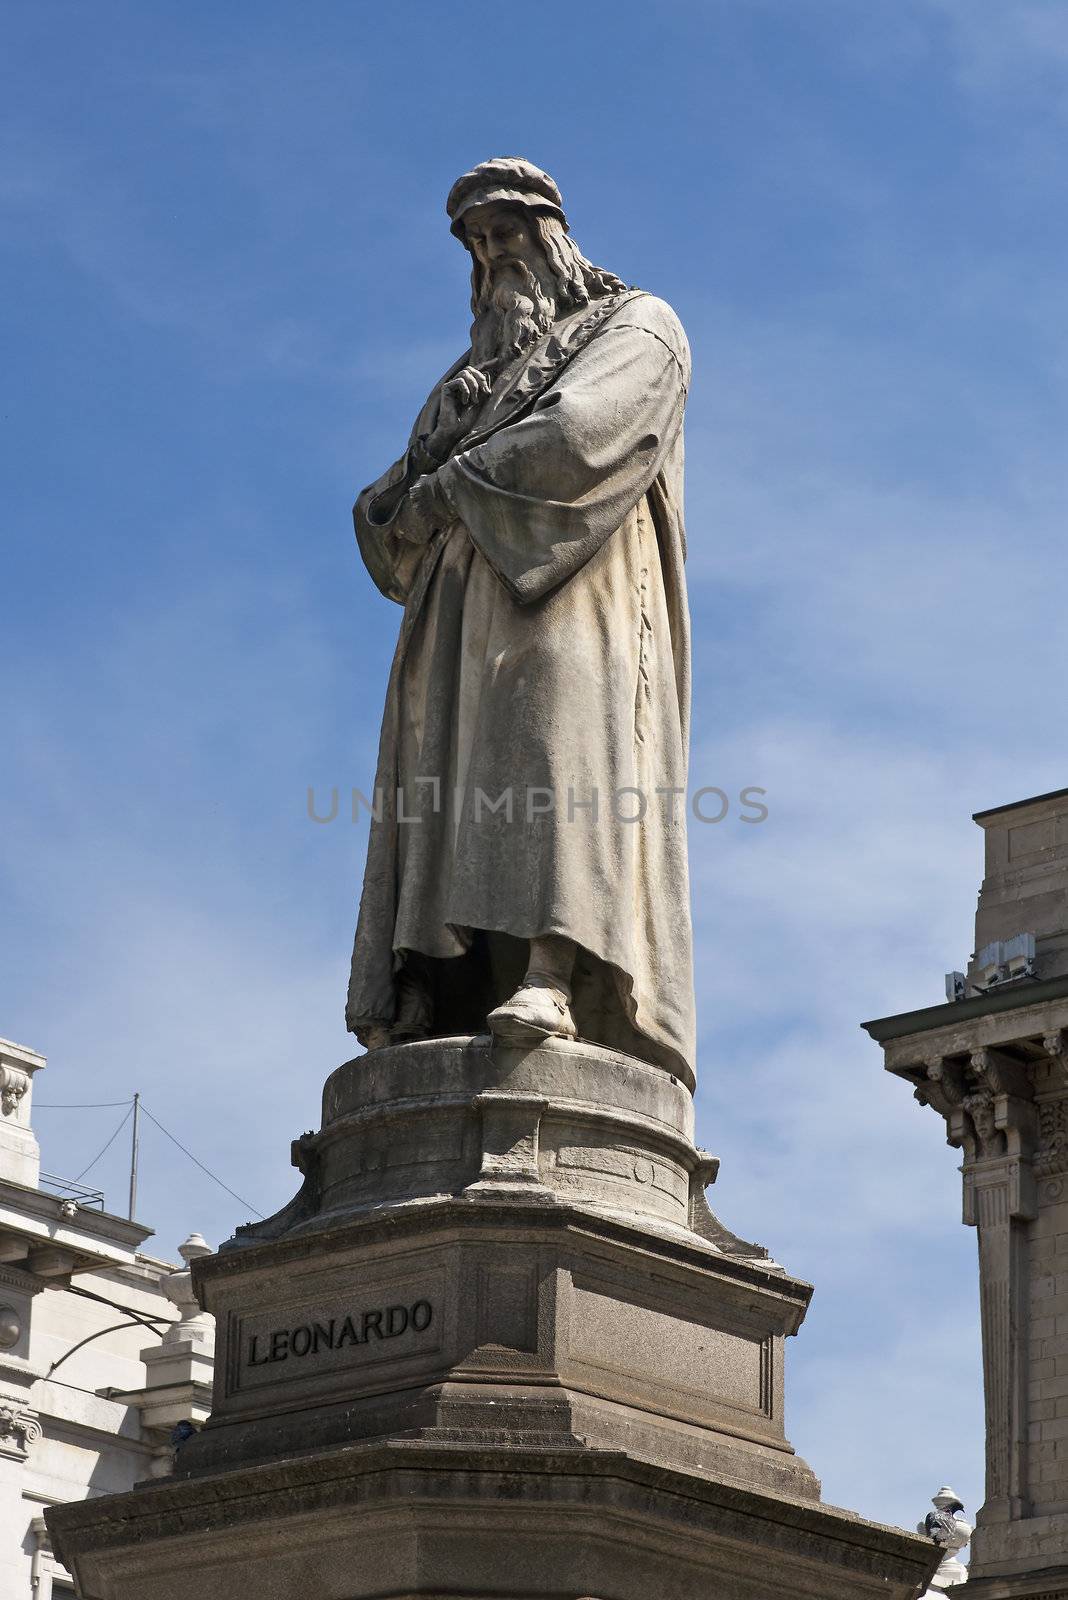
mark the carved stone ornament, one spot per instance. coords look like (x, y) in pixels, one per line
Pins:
(1055, 1044)
(947, 1528)
(980, 1107)
(1051, 1157)
(18, 1430)
(194, 1325)
(13, 1085)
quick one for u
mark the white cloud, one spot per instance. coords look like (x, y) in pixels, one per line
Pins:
(1006, 45)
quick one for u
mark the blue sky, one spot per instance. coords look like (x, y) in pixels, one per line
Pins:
(227, 284)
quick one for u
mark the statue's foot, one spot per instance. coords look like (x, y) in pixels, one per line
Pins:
(375, 1035)
(539, 1009)
(415, 1011)
(414, 1019)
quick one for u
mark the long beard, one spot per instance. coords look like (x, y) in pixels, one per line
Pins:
(512, 316)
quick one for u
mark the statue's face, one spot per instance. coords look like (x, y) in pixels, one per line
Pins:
(500, 237)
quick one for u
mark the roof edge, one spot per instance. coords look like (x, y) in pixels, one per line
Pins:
(1015, 805)
(883, 1029)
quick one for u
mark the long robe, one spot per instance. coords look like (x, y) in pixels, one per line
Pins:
(543, 655)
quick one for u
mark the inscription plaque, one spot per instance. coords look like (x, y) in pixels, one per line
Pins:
(391, 1322)
(309, 1338)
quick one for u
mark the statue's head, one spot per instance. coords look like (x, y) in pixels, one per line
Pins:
(526, 270)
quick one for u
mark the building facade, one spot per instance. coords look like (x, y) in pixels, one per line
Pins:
(993, 1062)
(103, 1350)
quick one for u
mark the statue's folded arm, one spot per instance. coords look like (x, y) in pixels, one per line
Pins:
(542, 495)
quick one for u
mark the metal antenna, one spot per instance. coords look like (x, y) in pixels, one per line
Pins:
(133, 1154)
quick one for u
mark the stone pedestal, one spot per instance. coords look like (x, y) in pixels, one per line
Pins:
(497, 1345)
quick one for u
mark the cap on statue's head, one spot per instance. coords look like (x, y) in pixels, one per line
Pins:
(503, 179)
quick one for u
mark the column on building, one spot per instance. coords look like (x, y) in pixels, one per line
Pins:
(993, 1063)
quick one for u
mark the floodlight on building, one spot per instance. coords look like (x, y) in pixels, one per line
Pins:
(1005, 961)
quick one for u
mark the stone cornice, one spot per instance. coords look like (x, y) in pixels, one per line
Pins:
(91, 1225)
(1023, 995)
(737, 1273)
(468, 1478)
(17, 1278)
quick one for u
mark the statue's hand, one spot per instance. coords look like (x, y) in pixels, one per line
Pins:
(459, 397)
(424, 513)
(468, 388)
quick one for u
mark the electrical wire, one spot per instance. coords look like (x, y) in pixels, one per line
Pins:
(115, 1327)
(107, 1147)
(91, 1105)
(103, 1105)
(197, 1163)
(145, 1318)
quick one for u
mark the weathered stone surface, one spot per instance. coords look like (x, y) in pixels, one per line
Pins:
(506, 1320)
(530, 819)
(1025, 886)
(500, 1346)
(514, 1257)
(1049, 1584)
(407, 1519)
(432, 1118)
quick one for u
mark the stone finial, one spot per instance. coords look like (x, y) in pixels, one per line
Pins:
(945, 1526)
(196, 1245)
(194, 1325)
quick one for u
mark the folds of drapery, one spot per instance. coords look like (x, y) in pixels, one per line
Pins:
(567, 498)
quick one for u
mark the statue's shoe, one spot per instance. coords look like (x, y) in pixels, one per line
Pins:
(415, 1011)
(537, 1010)
(414, 1019)
(375, 1036)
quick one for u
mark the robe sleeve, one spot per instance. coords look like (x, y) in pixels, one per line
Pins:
(379, 519)
(541, 496)
(378, 515)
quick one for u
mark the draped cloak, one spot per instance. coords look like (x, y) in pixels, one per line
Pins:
(532, 765)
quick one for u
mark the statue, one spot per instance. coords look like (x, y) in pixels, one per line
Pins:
(526, 867)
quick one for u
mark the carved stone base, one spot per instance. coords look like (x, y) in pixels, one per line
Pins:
(496, 1244)
(519, 1322)
(497, 1339)
(407, 1519)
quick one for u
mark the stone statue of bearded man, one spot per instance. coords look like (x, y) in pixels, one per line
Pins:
(526, 869)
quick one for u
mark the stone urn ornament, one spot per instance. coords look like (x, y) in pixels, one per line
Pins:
(945, 1525)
